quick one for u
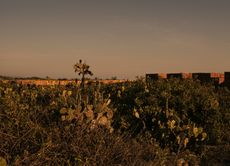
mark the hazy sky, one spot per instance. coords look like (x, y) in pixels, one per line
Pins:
(123, 38)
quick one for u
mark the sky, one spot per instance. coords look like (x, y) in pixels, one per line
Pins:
(122, 38)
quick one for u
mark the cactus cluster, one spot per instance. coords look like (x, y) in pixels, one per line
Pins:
(99, 115)
(96, 113)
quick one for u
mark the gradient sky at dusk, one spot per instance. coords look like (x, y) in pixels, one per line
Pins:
(123, 38)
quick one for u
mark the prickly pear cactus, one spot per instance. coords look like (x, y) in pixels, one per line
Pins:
(99, 115)
(94, 113)
(3, 161)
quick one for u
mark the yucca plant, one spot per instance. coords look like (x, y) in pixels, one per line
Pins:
(83, 70)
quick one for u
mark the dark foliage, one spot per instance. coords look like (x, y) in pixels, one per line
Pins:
(165, 122)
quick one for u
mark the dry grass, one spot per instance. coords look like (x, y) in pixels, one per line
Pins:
(39, 138)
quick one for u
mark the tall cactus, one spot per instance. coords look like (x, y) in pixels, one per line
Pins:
(82, 69)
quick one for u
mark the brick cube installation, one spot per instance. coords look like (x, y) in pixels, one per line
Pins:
(203, 77)
(151, 77)
(227, 79)
(174, 75)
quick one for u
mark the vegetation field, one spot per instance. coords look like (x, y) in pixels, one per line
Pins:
(164, 122)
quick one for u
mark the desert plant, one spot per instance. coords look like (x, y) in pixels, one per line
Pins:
(83, 70)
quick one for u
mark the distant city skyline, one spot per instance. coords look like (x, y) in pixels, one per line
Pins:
(122, 38)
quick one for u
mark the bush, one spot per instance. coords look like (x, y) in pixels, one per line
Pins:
(32, 133)
(179, 114)
(133, 123)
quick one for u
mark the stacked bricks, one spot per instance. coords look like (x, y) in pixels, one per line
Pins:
(216, 78)
(186, 75)
(227, 79)
(174, 75)
(162, 75)
(179, 75)
(203, 77)
(156, 76)
(152, 77)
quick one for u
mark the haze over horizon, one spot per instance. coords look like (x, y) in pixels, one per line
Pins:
(123, 38)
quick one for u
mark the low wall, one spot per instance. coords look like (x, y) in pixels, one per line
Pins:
(65, 82)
